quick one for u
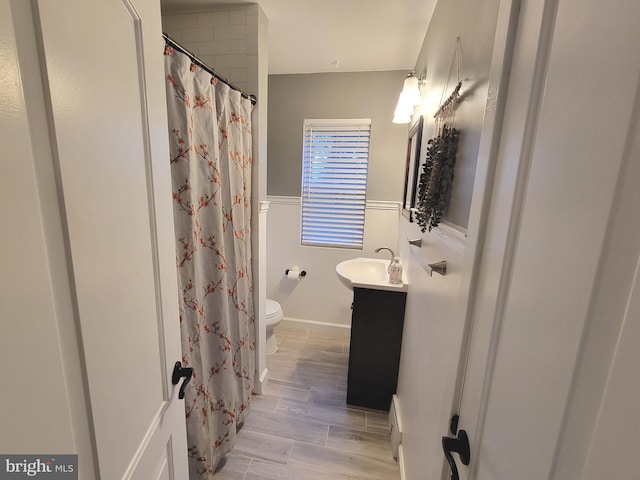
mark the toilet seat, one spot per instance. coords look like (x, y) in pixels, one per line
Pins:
(273, 317)
(274, 312)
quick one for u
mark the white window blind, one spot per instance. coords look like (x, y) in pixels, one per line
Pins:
(334, 182)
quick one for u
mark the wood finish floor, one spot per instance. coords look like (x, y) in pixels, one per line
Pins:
(301, 427)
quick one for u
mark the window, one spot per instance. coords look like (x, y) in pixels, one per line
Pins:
(334, 182)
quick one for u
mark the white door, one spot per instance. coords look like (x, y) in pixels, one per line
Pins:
(101, 82)
(612, 451)
(427, 388)
(565, 145)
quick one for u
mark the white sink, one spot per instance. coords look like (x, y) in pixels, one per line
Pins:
(368, 273)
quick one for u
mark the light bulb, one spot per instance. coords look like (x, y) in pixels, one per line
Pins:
(411, 90)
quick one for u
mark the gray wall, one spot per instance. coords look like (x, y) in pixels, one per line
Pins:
(474, 23)
(292, 98)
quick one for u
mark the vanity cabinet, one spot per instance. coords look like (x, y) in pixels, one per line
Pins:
(376, 339)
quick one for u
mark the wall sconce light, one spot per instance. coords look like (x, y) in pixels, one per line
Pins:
(409, 99)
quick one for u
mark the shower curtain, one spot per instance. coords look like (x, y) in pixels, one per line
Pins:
(210, 146)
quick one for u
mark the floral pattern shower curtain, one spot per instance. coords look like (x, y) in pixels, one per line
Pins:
(210, 144)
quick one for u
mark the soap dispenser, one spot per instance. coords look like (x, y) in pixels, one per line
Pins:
(395, 271)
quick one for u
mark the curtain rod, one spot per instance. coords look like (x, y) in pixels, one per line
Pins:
(204, 66)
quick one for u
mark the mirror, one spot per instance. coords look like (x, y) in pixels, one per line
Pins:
(411, 169)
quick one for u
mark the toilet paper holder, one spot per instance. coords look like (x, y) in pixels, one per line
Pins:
(302, 273)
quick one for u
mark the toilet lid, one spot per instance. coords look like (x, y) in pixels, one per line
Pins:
(273, 308)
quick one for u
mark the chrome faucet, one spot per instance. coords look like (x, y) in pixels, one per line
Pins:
(390, 251)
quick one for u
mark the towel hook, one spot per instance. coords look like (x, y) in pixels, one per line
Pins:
(416, 242)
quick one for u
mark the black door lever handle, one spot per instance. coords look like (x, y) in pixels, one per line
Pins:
(181, 372)
(459, 445)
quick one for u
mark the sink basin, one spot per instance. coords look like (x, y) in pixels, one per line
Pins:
(368, 273)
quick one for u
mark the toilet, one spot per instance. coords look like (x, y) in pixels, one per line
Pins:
(274, 316)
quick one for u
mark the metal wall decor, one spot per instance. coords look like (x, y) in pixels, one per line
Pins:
(436, 177)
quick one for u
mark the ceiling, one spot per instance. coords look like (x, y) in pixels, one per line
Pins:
(310, 36)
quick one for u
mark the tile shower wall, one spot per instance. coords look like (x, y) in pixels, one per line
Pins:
(224, 38)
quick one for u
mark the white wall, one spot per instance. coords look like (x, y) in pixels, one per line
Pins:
(319, 297)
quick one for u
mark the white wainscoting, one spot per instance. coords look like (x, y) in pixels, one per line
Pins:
(319, 296)
(259, 297)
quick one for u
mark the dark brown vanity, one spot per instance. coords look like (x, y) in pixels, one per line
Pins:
(376, 339)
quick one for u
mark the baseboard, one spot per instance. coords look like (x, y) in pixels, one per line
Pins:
(261, 382)
(403, 475)
(315, 326)
(395, 421)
